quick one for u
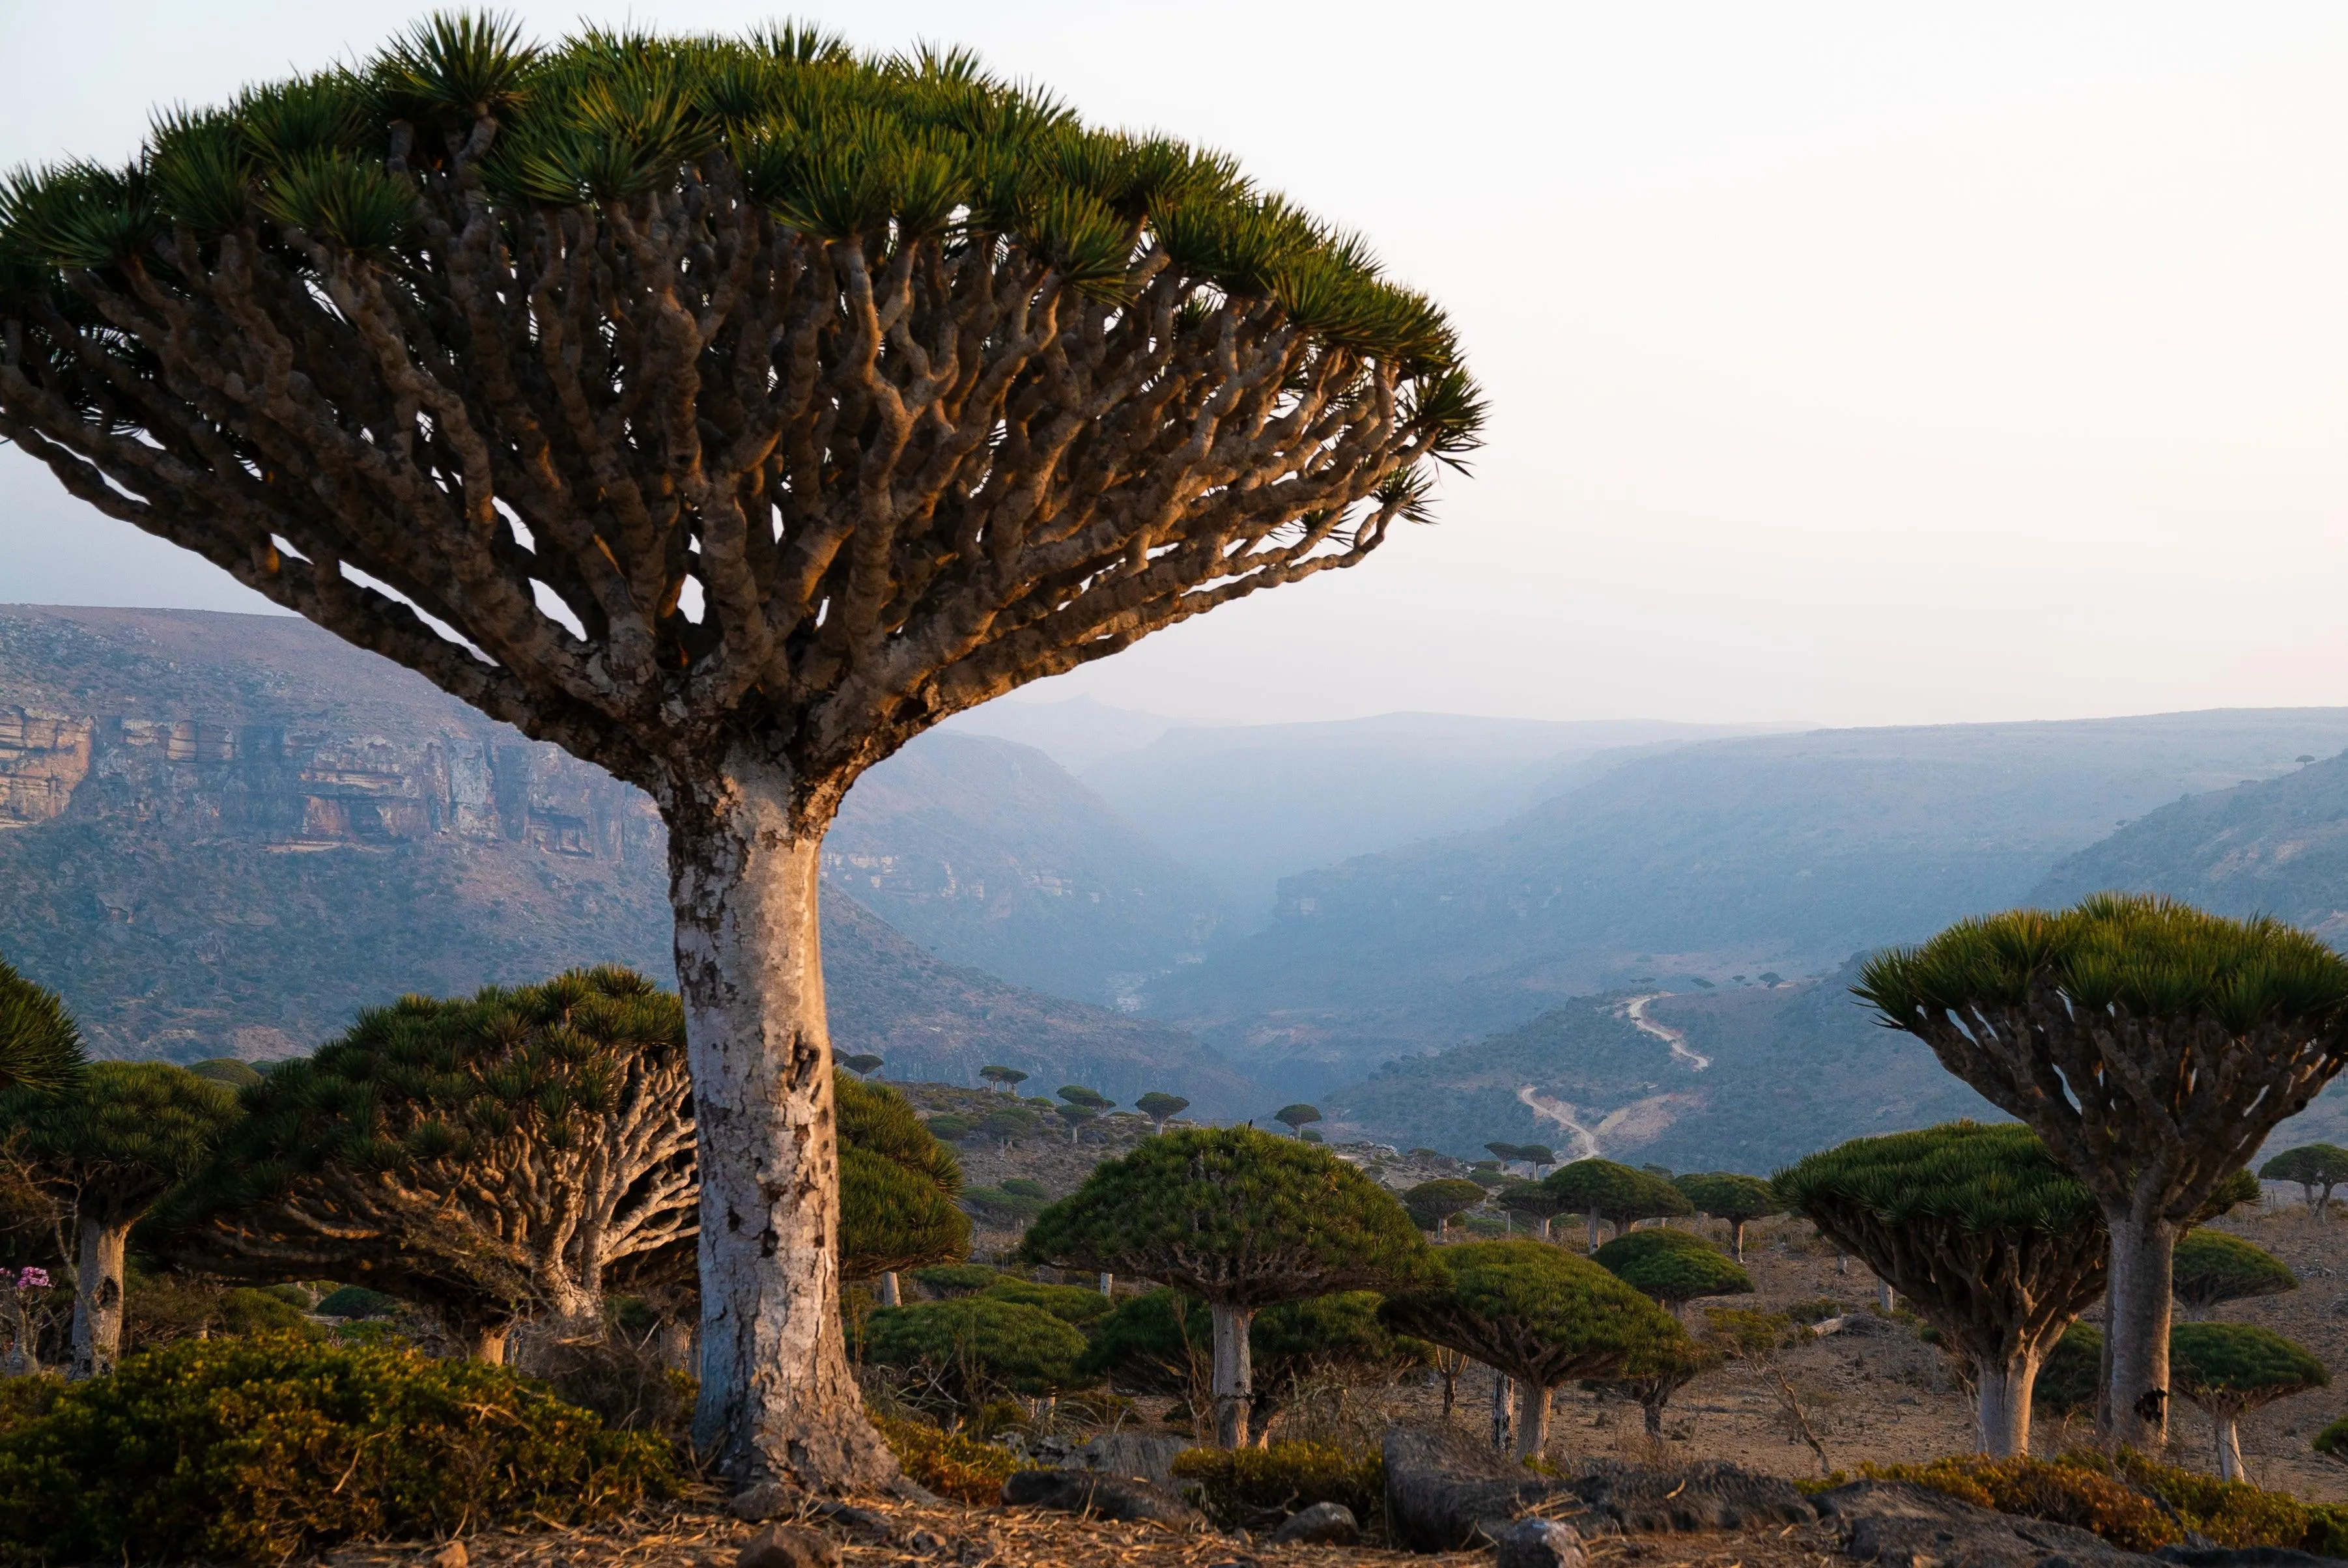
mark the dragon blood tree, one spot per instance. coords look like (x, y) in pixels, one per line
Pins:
(1615, 1193)
(1733, 1197)
(1535, 1313)
(1672, 1268)
(108, 1147)
(521, 1151)
(1242, 1220)
(2316, 1167)
(2229, 1368)
(2153, 1048)
(726, 412)
(2211, 1269)
(1983, 1232)
(40, 1044)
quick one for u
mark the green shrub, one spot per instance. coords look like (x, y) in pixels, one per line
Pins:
(2120, 1499)
(1001, 1204)
(1247, 1488)
(266, 1448)
(2073, 1372)
(296, 1297)
(358, 1301)
(970, 1347)
(1068, 1303)
(952, 1464)
(957, 1278)
(948, 1127)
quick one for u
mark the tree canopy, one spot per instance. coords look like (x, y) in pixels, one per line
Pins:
(1615, 1193)
(1674, 1268)
(974, 1345)
(1231, 1216)
(1161, 1107)
(1006, 1078)
(1431, 1204)
(1536, 1313)
(1296, 1117)
(524, 1149)
(2213, 1267)
(1736, 1198)
(897, 1184)
(2316, 1167)
(2230, 1367)
(2153, 1046)
(1984, 1234)
(40, 1044)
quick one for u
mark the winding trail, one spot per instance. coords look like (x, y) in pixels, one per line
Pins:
(1585, 1141)
(1635, 1009)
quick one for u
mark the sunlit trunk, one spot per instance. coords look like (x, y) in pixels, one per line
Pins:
(98, 1298)
(2133, 1407)
(2002, 1404)
(1235, 1383)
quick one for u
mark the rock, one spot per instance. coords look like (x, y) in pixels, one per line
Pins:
(763, 1501)
(927, 1543)
(1707, 1496)
(452, 1555)
(2244, 1557)
(1101, 1496)
(1539, 1544)
(1322, 1524)
(1446, 1492)
(1145, 1455)
(1903, 1526)
(789, 1546)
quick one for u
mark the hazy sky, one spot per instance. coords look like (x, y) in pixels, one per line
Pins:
(1857, 363)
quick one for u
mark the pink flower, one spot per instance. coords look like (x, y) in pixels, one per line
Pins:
(30, 1279)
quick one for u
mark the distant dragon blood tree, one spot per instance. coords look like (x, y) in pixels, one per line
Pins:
(2153, 1048)
(1983, 1233)
(726, 412)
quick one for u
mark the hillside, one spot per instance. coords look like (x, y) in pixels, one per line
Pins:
(225, 833)
(1774, 854)
(988, 851)
(1744, 1078)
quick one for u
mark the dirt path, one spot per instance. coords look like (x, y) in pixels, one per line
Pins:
(1585, 1141)
(1635, 1009)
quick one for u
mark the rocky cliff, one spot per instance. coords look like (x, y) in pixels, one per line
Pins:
(223, 835)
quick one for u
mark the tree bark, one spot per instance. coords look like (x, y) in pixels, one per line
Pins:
(2134, 1405)
(890, 1296)
(98, 1298)
(1532, 1416)
(2229, 1443)
(2002, 1403)
(1652, 1408)
(1737, 1239)
(1235, 1383)
(778, 1401)
(1108, 1286)
(1593, 1231)
(1504, 1389)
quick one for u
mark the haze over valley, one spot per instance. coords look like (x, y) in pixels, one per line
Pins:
(234, 832)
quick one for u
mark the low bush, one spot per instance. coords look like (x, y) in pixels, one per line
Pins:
(358, 1301)
(262, 1449)
(1247, 1488)
(1068, 1303)
(952, 1465)
(949, 1279)
(2121, 1499)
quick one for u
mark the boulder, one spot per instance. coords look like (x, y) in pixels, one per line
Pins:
(1322, 1524)
(789, 1546)
(1145, 1455)
(1446, 1492)
(2245, 1557)
(1899, 1525)
(1539, 1544)
(1101, 1496)
(1707, 1496)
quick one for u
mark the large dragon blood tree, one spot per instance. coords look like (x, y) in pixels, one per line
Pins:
(2153, 1048)
(726, 412)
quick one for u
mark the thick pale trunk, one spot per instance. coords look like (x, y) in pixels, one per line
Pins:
(1737, 1240)
(1504, 1389)
(2134, 1405)
(2230, 1444)
(1544, 1230)
(1885, 1296)
(1108, 1286)
(2002, 1404)
(778, 1401)
(486, 1342)
(1593, 1232)
(98, 1298)
(1235, 1383)
(890, 1294)
(1532, 1416)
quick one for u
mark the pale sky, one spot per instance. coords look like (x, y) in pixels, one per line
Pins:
(1857, 363)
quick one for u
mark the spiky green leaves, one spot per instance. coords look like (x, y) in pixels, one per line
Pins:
(40, 1044)
(1614, 1191)
(897, 1186)
(977, 1345)
(2210, 1267)
(1536, 1313)
(454, 68)
(1965, 1175)
(1672, 1267)
(1232, 1215)
(2145, 956)
(1729, 1196)
(2233, 1367)
(116, 1140)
